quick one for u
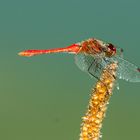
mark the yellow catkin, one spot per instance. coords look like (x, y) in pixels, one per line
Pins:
(101, 93)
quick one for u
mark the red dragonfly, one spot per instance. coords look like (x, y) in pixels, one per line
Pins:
(93, 55)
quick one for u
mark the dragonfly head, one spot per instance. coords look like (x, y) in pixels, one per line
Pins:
(138, 69)
(110, 50)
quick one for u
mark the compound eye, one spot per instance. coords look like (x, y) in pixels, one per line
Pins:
(111, 47)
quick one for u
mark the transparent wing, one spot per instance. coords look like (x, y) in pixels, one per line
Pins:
(89, 64)
(126, 70)
(94, 66)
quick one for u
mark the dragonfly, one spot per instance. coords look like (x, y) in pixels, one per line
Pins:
(92, 56)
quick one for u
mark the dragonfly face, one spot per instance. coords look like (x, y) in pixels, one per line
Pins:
(111, 50)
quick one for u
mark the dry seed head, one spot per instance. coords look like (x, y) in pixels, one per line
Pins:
(101, 93)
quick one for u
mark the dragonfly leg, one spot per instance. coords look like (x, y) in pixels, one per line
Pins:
(108, 62)
(94, 63)
(91, 72)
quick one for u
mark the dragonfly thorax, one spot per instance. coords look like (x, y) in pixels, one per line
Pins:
(91, 46)
(107, 48)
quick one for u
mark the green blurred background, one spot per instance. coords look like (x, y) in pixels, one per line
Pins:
(44, 97)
